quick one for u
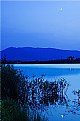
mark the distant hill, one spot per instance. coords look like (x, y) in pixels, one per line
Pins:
(37, 54)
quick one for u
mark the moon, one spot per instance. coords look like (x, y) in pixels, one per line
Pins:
(61, 9)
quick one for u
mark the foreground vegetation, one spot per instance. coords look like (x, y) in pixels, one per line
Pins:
(21, 99)
(24, 100)
(11, 111)
(13, 89)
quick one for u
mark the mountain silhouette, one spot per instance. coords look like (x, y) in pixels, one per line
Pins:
(37, 54)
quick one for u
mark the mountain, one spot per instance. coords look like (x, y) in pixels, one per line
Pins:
(37, 54)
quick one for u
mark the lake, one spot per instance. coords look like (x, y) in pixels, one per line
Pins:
(69, 108)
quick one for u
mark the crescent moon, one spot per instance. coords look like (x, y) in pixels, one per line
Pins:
(61, 9)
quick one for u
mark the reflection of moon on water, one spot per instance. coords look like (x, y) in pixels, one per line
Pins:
(62, 116)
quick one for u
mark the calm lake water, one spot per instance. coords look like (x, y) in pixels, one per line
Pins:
(69, 109)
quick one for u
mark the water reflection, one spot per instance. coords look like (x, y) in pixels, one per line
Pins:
(40, 95)
(76, 103)
(59, 99)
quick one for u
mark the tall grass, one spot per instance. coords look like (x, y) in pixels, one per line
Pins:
(14, 88)
(10, 111)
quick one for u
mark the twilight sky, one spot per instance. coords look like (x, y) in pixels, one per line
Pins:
(40, 24)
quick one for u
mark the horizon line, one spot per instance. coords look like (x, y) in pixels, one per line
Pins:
(40, 47)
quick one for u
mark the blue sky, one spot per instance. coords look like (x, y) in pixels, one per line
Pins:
(40, 24)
